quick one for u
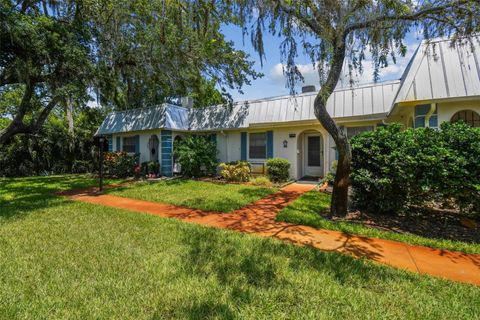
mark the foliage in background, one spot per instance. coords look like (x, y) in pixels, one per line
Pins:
(235, 171)
(394, 168)
(278, 169)
(54, 149)
(197, 155)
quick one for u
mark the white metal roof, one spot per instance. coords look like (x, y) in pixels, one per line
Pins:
(439, 70)
(345, 102)
(166, 116)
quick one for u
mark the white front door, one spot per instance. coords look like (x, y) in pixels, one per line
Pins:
(313, 153)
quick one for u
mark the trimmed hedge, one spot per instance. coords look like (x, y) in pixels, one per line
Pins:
(277, 169)
(393, 169)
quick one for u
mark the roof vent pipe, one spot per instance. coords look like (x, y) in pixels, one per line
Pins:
(306, 89)
(186, 102)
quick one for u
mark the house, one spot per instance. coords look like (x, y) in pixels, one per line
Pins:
(440, 84)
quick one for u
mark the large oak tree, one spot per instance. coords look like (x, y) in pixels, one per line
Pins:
(335, 33)
(126, 53)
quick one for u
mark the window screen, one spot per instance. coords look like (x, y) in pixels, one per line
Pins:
(257, 145)
(129, 144)
(314, 151)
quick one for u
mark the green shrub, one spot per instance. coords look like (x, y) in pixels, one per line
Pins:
(393, 169)
(119, 164)
(150, 168)
(277, 169)
(197, 155)
(330, 176)
(237, 171)
(261, 181)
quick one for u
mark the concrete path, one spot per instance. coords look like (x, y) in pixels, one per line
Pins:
(259, 218)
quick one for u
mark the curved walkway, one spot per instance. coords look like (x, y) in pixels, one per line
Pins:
(259, 218)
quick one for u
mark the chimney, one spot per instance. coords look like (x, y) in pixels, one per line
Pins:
(306, 89)
(186, 102)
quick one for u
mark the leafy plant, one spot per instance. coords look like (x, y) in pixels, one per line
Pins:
(393, 169)
(278, 169)
(238, 171)
(119, 164)
(197, 155)
(261, 181)
(150, 168)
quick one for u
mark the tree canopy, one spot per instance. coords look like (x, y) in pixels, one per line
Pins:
(125, 53)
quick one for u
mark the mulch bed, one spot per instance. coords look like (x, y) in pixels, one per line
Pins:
(424, 223)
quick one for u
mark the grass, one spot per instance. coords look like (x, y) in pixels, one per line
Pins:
(195, 194)
(306, 208)
(61, 259)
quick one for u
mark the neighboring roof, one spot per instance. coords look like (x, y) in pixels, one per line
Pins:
(166, 116)
(345, 102)
(440, 71)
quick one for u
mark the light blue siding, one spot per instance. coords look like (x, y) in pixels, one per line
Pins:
(167, 151)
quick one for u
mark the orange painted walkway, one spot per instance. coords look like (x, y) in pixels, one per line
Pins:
(259, 218)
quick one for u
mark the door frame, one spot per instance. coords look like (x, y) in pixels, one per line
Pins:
(318, 172)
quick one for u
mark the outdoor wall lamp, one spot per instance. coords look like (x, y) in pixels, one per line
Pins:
(285, 143)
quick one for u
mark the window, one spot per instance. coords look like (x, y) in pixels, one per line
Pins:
(257, 148)
(129, 144)
(468, 116)
(353, 131)
(421, 112)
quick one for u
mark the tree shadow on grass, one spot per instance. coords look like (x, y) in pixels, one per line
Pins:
(20, 196)
(245, 269)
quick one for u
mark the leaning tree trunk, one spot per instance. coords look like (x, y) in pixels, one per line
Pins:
(339, 202)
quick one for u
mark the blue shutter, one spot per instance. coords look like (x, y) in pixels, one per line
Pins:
(166, 160)
(213, 138)
(110, 143)
(243, 146)
(118, 144)
(137, 144)
(269, 144)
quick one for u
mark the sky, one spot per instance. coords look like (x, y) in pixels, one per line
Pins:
(273, 82)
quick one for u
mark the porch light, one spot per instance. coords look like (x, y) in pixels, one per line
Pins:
(285, 143)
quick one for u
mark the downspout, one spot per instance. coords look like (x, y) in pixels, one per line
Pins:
(433, 107)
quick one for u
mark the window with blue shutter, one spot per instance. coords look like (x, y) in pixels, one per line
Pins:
(243, 146)
(110, 143)
(117, 147)
(269, 144)
(137, 144)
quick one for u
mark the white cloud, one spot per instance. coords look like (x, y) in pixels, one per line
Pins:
(310, 73)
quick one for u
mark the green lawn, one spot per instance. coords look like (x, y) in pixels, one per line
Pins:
(195, 194)
(305, 211)
(61, 259)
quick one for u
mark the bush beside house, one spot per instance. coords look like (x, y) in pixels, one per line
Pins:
(278, 169)
(197, 155)
(119, 164)
(393, 169)
(235, 171)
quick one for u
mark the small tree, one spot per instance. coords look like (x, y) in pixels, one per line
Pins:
(335, 32)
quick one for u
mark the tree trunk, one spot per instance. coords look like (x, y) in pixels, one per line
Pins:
(339, 202)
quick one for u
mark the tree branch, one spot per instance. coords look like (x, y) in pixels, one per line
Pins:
(423, 13)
